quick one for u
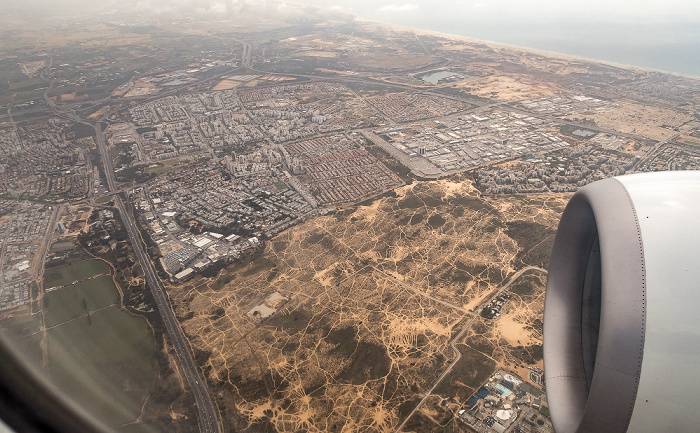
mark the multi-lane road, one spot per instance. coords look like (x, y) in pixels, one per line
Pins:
(209, 417)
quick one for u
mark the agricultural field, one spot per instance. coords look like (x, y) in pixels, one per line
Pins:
(92, 349)
(79, 299)
(24, 329)
(63, 275)
(98, 353)
(104, 360)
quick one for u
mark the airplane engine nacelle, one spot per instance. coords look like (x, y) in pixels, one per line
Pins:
(621, 322)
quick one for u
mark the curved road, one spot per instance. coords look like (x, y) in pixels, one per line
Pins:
(458, 354)
(209, 417)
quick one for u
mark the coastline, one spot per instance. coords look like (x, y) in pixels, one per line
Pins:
(502, 45)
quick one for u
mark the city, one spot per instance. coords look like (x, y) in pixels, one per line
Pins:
(306, 227)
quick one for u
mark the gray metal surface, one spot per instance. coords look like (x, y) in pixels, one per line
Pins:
(602, 210)
(668, 206)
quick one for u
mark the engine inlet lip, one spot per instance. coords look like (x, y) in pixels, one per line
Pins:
(605, 401)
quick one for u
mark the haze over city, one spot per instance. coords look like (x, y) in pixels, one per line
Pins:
(663, 35)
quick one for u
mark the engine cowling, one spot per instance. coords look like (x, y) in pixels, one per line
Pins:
(621, 329)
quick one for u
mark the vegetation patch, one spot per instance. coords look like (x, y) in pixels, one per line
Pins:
(105, 362)
(162, 166)
(63, 275)
(436, 221)
(535, 239)
(221, 282)
(259, 265)
(416, 218)
(411, 202)
(472, 369)
(293, 321)
(525, 285)
(470, 202)
(367, 361)
(79, 299)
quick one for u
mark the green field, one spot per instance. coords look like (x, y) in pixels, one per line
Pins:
(24, 330)
(105, 362)
(76, 300)
(63, 275)
(22, 324)
(104, 199)
(28, 84)
(30, 346)
(98, 354)
(163, 166)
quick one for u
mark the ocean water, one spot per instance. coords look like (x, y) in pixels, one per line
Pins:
(662, 35)
(669, 47)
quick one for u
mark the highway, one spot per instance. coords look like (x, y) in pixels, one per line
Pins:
(209, 417)
(650, 154)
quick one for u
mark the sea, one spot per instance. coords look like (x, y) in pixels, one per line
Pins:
(664, 36)
(669, 48)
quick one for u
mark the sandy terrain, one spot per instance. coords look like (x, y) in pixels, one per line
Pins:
(509, 88)
(645, 120)
(513, 341)
(226, 85)
(376, 293)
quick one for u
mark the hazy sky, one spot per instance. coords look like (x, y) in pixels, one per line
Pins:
(661, 34)
(529, 16)
(645, 11)
(426, 11)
